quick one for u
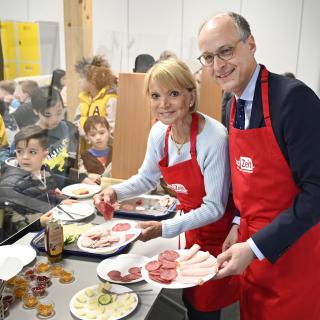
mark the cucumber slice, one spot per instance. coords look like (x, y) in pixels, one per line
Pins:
(105, 299)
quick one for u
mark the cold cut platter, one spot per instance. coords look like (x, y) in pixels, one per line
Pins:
(108, 237)
(147, 207)
(124, 268)
(176, 269)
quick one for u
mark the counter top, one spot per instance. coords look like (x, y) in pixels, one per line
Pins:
(86, 275)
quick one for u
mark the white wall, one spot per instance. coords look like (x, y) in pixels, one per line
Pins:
(285, 31)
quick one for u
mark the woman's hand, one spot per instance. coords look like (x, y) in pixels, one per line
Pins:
(108, 195)
(232, 237)
(150, 230)
(45, 218)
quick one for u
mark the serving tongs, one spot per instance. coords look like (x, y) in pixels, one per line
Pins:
(121, 293)
(68, 213)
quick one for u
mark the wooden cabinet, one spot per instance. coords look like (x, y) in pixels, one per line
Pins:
(29, 48)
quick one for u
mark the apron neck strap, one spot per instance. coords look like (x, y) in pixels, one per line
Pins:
(265, 100)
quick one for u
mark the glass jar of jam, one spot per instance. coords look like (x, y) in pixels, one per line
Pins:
(29, 300)
(45, 308)
(66, 276)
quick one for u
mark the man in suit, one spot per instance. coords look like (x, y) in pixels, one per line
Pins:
(274, 160)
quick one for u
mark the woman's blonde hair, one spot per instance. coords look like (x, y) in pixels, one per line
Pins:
(172, 73)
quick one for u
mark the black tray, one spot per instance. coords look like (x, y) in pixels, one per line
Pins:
(152, 210)
(38, 243)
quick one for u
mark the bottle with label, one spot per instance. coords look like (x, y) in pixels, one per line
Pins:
(54, 240)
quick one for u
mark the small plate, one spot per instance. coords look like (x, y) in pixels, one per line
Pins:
(83, 209)
(120, 263)
(110, 224)
(91, 188)
(20, 251)
(112, 315)
(174, 284)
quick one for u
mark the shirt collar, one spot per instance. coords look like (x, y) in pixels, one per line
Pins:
(248, 92)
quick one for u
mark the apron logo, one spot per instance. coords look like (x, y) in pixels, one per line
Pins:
(177, 187)
(245, 164)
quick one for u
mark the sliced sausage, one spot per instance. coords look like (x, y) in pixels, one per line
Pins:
(153, 265)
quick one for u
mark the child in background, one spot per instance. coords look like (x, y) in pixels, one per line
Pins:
(58, 82)
(98, 95)
(97, 159)
(4, 150)
(30, 186)
(22, 94)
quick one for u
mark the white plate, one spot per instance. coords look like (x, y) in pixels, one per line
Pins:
(23, 252)
(115, 288)
(133, 230)
(83, 209)
(174, 284)
(9, 267)
(121, 263)
(92, 188)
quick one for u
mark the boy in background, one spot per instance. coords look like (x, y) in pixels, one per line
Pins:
(97, 159)
(30, 186)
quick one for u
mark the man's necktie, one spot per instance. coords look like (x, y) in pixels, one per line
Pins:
(240, 116)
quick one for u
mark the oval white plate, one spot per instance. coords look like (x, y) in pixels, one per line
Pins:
(9, 267)
(115, 288)
(83, 209)
(20, 251)
(92, 188)
(174, 284)
(121, 263)
(133, 230)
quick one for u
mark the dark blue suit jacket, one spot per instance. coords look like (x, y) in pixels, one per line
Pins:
(295, 116)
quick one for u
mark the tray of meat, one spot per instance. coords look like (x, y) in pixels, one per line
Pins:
(147, 207)
(109, 236)
(72, 248)
(177, 269)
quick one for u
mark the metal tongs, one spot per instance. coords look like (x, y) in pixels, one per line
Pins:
(68, 213)
(121, 293)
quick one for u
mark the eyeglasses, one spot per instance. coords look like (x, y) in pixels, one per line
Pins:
(224, 54)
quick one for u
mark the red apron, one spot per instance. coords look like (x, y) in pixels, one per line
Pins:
(263, 187)
(187, 176)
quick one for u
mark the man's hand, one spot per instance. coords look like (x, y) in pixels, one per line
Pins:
(150, 230)
(235, 260)
(232, 238)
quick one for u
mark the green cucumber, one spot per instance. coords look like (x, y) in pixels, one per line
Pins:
(105, 299)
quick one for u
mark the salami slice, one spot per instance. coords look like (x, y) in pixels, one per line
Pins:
(135, 270)
(114, 275)
(166, 264)
(160, 280)
(121, 227)
(168, 274)
(169, 255)
(153, 265)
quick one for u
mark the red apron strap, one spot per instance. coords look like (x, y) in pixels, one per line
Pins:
(265, 96)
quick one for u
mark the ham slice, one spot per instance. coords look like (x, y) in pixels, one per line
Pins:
(189, 253)
(197, 258)
(209, 263)
(197, 272)
(187, 280)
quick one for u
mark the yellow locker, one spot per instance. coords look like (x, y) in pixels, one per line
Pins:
(29, 69)
(10, 70)
(8, 40)
(28, 35)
